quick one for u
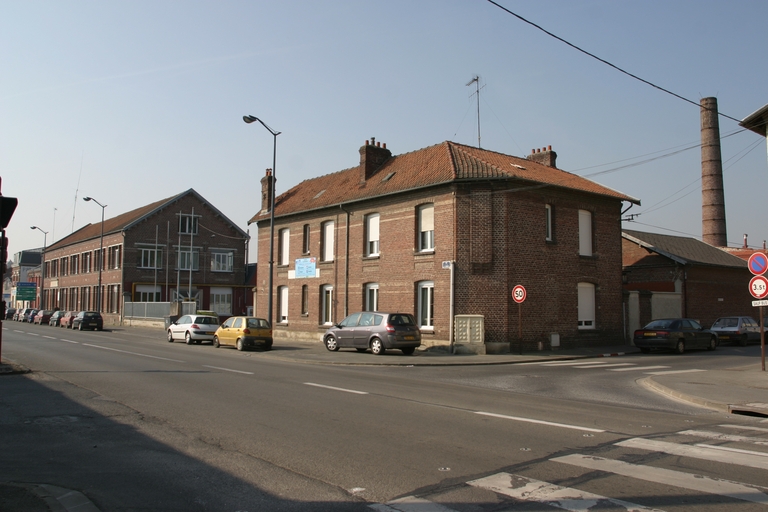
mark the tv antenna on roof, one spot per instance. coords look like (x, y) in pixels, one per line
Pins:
(476, 81)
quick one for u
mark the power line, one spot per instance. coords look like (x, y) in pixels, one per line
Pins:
(605, 61)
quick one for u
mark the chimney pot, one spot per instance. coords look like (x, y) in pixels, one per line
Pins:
(549, 148)
(373, 141)
(384, 145)
(745, 240)
(366, 142)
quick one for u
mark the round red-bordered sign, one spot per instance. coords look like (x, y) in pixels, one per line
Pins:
(758, 287)
(519, 293)
(758, 263)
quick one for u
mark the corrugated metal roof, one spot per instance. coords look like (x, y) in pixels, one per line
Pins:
(686, 250)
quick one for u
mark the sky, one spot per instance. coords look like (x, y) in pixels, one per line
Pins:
(133, 102)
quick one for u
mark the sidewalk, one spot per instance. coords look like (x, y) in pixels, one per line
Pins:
(742, 390)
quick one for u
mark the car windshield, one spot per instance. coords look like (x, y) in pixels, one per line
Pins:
(726, 322)
(661, 324)
(208, 320)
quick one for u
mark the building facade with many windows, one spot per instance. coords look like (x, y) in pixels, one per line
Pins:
(444, 231)
(180, 248)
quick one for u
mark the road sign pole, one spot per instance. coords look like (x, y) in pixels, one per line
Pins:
(520, 325)
(762, 340)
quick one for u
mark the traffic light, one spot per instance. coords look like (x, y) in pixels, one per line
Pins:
(7, 207)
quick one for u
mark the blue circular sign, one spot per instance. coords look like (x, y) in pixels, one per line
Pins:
(758, 263)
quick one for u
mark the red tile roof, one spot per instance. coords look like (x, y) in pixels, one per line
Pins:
(435, 165)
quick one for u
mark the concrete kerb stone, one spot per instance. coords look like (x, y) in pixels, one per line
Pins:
(650, 384)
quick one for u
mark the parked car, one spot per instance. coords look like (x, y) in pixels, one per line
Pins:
(737, 329)
(66, 319)
(9, 313)
(20, 313)
(678, 334)
(29, 316)
(42, 317)
(375, 330)
(244, 332)
(193, 328)
(88, 320)
(56, 318)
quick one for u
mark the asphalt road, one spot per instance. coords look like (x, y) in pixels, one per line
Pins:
(140, 424)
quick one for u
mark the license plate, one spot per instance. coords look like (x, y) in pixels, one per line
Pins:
(649, 334)
(409, 338)
(210, 332)
(724, 337)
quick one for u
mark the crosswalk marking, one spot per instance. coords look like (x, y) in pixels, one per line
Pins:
(725, 437)
(734, 450)
(676, 371)
(573, 363)
(638, 368)
(529, 489)
(699, 483)
(711, 453)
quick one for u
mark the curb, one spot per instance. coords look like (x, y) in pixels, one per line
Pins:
(652, 385)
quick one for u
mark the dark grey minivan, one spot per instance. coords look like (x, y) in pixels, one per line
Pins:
(375, 330)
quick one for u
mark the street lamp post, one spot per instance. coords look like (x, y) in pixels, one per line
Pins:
(101, 252)
(250, 119)
(42, 267)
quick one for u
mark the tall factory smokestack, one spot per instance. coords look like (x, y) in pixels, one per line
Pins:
(712, 194)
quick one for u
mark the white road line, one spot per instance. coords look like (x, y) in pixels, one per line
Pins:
(674, 371)
(50, 337)
(745, 427)
(539, 422)
(227, 369)
(573, 363)
(755, 494)
(733, 450)
(70, 341)
(132, 353)
(336, 389)
(725, 437)
(703, 452)
(410, 504)
(529, 489)
(607, 365)
(638, 368)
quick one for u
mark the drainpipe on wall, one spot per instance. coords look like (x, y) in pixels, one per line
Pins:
(346, 263)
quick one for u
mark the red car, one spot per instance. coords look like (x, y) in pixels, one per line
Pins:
(42, 317)
(66, 320)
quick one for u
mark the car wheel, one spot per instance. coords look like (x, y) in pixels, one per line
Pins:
(377, 347)
(712, 343)
(240, 345)
(743, 340)
(216, 342)
(408, 351)
(170, 336)
(331, 343)
(645, 350)
(188, 338)
(680, 347)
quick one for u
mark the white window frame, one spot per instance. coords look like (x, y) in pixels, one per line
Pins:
(283, 246)
(145, 293)
(327, 242)
(221, 300)
(426, 305)
(282, 304)
(371, 297)
(151, 258)
(188, 224)
(326, 304)
(586, 306)
(426, 215)
(222, 261)
(184, 257)
(372, 234)
(585, 233)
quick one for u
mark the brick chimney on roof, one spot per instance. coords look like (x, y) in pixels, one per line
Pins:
(544, 156)
(372, 156)
(267, 185)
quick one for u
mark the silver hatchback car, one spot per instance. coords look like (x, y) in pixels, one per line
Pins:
(737, 329)
(376, 331)
(193, 328)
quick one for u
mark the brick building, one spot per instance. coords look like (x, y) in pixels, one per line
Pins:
(180, 248)
(443, 231)
(670, 276)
